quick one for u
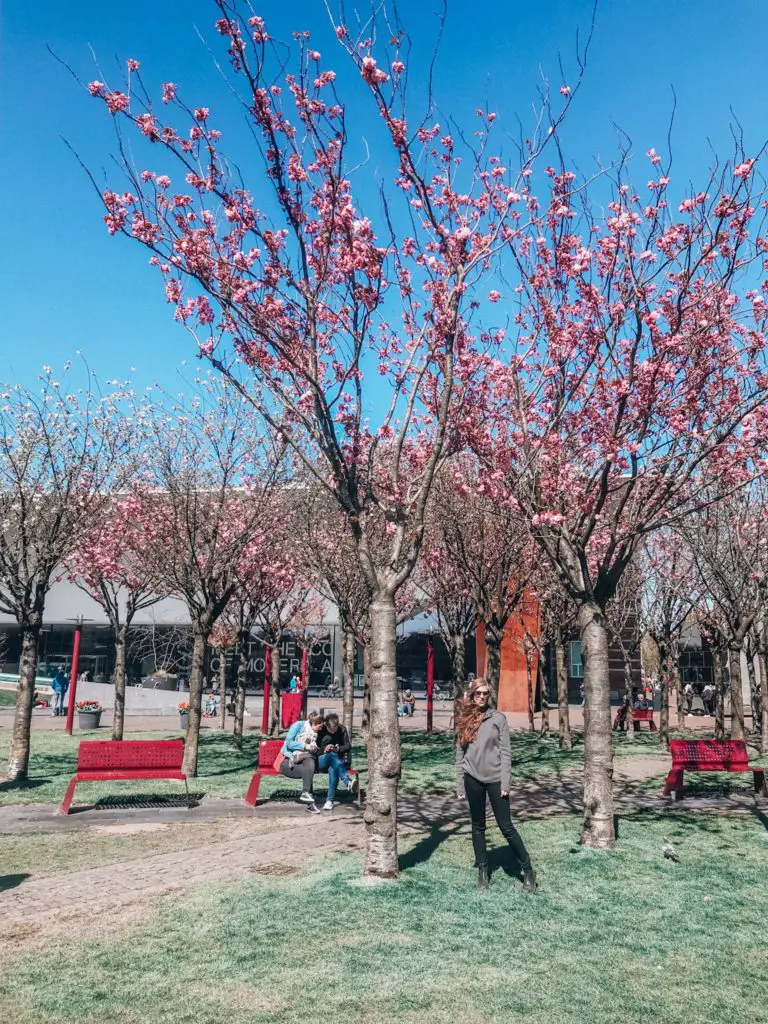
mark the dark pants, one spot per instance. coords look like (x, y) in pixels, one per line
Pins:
(476, 794)
(305, 771)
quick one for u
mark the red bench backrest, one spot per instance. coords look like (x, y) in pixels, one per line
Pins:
(732, 752)
(268, 751)
(119, 755)
(642, 715)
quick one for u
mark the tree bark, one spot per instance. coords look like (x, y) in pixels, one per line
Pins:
(457, 649)
(629, 723)
(242, 676)
(349, 656)
(493, 638)
(367, 663)
(717, 670)
(598, 829)
(681, 701)
(274, 692)
(383, 744)
(118, 719)
(18, 761)
(196, 678)
(763, 665)
(222, 689)
(543, 697)
(755, 694)
(531, 691)
(737, 701)
(664, 679)
(563, 715)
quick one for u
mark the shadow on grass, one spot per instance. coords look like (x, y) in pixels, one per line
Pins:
(421, 852)
(13, 784)
(12, 881)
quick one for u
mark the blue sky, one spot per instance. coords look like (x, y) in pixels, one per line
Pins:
(66, 285)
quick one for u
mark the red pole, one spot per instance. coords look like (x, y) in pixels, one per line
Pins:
(304, 664)
(267, 679)
(430, 682)
(73, 680)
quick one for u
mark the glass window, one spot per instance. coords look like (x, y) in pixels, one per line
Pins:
(576, 664)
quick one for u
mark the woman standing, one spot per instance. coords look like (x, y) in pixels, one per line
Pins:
(483, 769)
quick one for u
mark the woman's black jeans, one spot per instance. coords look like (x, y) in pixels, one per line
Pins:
(476, 794)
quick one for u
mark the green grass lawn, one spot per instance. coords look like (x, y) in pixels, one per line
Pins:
(428, 766)
(625, 936)
(7, 699)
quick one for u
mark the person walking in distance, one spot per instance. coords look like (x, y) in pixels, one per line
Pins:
(483, 770)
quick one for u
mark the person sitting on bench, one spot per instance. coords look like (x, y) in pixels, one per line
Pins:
(299, 751)
(409, 704)
(334, 757)
(641, 704)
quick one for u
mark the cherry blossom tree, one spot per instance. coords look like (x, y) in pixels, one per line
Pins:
(491, 554)
(449, 592)
(627, 628)
(217, 478)
(298, 297)
(62, 449)
(113, 564)
(637, 372)
(728, 542)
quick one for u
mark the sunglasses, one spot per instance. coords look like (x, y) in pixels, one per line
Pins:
(481, 693)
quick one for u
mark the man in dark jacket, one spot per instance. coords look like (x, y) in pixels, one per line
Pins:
(334, 755)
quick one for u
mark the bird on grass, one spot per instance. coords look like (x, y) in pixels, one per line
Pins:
(669, 851)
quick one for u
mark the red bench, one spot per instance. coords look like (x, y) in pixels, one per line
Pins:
(709, 756)
(638, 715)
(103, 760)
(268, 752)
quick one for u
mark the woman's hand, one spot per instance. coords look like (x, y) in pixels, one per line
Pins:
(505, 793)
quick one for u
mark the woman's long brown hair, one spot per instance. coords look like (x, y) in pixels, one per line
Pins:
(470, 715)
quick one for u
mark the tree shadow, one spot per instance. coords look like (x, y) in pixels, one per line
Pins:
(423, 850)
(14, 784)
(12, 881)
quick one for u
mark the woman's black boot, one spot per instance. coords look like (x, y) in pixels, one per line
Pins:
(482, 877)
(529, 879)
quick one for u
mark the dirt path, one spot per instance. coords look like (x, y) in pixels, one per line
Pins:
(89, 902)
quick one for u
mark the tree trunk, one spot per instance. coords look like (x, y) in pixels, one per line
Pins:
(629, 723)
(531, 691)
(543, 696)
(664, 679)
(196, 681)
(717, 670)
(681, 701)
(18, 761)
(383, 744)
(763, 665)
(222, 689)
(242, 676)
(563, 716)
(754, 693)
(457, 648)
(274, 692)
(493, 638)
(737, 701)
(118, 719)
(349, 656)
(366, 722)
(598, 829)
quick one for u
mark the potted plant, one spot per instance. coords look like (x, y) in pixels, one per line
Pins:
(88, 714)
(184, 715)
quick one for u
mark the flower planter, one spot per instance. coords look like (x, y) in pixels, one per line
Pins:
(88, 719)
(183, 720)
